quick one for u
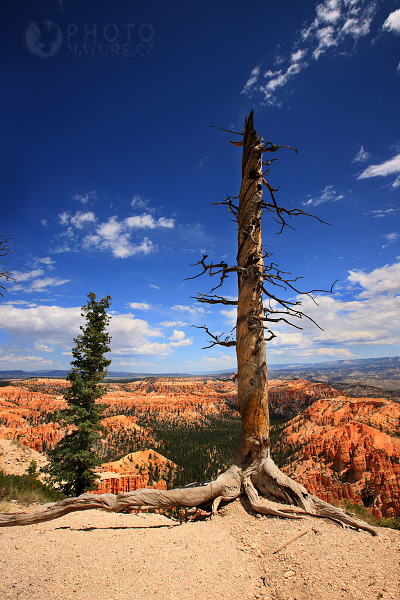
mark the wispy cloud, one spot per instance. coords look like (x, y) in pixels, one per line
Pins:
(328, 194)
(380, 213)
(362, 155)
(389, 167)
(84, 198)
(33, 281)
(390, 238)
(27, 275)
(45, 260)
(173, 324)
(139, 202)
(193, 310)
(335, 21)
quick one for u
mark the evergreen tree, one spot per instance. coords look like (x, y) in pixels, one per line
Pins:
(73, 459)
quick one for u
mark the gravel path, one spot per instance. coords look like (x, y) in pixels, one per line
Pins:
(95, 555)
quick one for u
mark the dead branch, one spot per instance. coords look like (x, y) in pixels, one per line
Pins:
(228, 130)
(292, 539)
(208, 299)
(227, 342)
(233, 377)
(4, 251)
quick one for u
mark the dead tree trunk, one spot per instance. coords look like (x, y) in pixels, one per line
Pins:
(253, 443)
(254, 473)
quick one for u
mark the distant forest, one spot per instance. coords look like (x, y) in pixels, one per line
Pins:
(201, 450)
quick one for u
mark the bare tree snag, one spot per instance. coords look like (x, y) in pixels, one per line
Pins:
(250, 343)
(254, 473)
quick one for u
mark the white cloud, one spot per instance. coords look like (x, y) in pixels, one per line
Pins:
(335, 21)
(299, 55)
(389, 167)
(14, 360)
(252, 79)
(139, 202)
(115, 235)
(37, 283)
(173, 324)
(44, 222)
(193, 310)
(371, 318)
(134, 363)
(279, 79)
(187, 342)
(156, 287)
(362, 155)
(231, 315)
(396, 183)
(140, 305)
(80, 219)
(329, 11)
(117, 242)
(46, 260)
(84, 198)
(64, 218)
(177, 336)
(145, 220)
(40, 285)
(328, 194)
(384, 280)
(380, 213)
(42, 347)
(221, 361)
(390, 238)
(55, 325)
(392, 23)
(20, 276)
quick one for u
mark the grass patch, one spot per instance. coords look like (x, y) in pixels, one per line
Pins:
(363, 514)
(26, 489)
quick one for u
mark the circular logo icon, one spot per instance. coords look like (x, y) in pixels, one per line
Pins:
(42, 38)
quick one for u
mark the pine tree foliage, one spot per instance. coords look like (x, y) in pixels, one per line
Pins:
(73, 459)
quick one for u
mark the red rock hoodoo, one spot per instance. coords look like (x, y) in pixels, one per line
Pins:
(350, 449)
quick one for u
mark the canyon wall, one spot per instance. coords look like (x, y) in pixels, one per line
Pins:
(347, 447)
(350, 449)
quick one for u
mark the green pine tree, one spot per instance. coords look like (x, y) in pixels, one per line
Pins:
(73, 459)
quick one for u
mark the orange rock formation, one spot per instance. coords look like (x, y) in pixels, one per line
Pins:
(120, 476)
(349, 451)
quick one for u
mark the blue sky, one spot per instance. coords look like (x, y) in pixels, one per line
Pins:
(109, 168)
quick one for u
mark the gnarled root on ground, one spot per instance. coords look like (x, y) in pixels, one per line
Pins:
(281, 496)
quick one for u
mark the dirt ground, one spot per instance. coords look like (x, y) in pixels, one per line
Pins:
(94, 555)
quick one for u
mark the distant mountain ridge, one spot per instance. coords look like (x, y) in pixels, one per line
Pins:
(380, 372)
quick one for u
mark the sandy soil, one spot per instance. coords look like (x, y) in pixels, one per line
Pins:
(15, 458)
(94, 555)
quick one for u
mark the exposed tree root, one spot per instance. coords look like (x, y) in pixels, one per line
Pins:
(281, 497)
